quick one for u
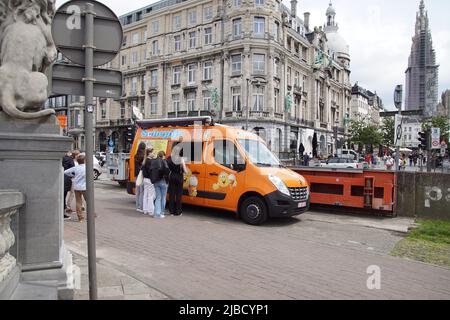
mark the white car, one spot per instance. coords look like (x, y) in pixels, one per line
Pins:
(97, 167)
(342, 163)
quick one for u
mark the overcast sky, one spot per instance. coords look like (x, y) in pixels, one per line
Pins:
(378, 32)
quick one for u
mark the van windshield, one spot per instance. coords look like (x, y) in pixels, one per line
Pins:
(259, 154)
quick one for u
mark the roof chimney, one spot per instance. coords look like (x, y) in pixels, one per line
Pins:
(306, 20)
(294, 8)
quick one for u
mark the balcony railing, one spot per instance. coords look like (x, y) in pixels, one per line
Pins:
(260, 114)
(233, 114)
(279, 116)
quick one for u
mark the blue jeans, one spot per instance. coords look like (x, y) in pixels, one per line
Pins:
(161, 195)
(140, 196)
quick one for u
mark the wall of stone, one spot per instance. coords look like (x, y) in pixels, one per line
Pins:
(423, 195)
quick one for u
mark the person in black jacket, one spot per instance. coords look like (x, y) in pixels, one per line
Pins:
(177, 171)
(67, 163)
(138, 161)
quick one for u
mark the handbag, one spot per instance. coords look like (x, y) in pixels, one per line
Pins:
(139, 179)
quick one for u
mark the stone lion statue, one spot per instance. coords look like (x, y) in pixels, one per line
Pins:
(26, 51)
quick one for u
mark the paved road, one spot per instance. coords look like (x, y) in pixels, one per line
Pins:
(208, 254)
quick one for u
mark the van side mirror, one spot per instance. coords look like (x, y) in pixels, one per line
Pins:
(239, 167)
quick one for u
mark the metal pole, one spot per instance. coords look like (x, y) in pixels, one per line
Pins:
(88, 116)
(248, 105)
(397, 148)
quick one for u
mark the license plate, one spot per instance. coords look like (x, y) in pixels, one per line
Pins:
(302, 205)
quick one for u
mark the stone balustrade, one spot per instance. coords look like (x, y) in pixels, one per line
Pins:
(10, 203)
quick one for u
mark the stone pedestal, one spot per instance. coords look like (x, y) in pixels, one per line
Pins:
(30, 161)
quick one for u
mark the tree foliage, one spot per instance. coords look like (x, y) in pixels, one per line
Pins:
(364, 133)
(388, 131)
(438, 122)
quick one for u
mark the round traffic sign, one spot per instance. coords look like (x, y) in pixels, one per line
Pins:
(69, 33)
(436, 144)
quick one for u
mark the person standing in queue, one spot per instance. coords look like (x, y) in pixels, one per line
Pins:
(138, 162)
(160, 176)
(67, 163)
(177, 170)
(148, 201)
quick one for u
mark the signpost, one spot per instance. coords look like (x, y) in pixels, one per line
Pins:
(435, 138)
(398, 98)
(89, 34)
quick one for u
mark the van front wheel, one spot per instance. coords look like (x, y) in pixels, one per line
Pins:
(254, 211)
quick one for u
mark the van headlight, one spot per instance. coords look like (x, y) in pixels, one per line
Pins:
(279, 184)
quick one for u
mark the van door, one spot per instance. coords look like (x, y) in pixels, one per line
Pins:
(225, 175)
(194, 179)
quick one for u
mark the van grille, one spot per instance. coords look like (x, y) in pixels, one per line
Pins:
(299, 194)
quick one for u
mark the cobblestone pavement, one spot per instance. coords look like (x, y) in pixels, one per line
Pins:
(209, 254)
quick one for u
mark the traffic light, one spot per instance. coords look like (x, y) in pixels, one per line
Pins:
(424, 139)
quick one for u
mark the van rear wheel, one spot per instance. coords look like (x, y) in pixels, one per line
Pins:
(253, 211)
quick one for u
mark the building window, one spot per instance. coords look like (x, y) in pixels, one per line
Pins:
(191, 101)
(237, 3)
(297, 79)
(124, 41)
(155, 27)
(192, 17)
(134, 85)
(276, 31)
(236, 96)
(155, 47)
(236, 64)
(237, 28)
(276, 96)
(122, 110)
(103, 108)
(207, 100)
(207, 70)
(177, 43)
(154, 78)
(135, 38)
(258, 98)
(258, 26)
(143, 106)
(259, 63)
(208, 12)
(176, 102)
(154, 104)
(208, 36)
(177, 75)
(276, 67)
(259, 2)
(289, 76)
(134, 58)
(145, 35)
(192, 68)
(124, 60)
(192, 40)
(144, 83)
(176, 22)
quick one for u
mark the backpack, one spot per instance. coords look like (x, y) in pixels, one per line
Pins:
(164, 170)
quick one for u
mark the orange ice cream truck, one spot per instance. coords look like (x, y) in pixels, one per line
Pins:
(228, 168)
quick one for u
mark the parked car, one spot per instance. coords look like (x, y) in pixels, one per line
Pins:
(348, 154)
(101, 157)
(97, 167)
(343, 163)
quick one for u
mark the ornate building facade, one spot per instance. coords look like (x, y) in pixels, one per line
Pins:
(365, 105)
(422, 83)
(249, 63)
